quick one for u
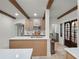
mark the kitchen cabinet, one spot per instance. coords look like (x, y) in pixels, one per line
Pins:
(28, 25)
(34, 27)
(69, 56)
(42, 25)
(39, 46)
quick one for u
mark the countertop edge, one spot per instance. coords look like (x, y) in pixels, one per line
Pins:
(73, 54)
(28, 38)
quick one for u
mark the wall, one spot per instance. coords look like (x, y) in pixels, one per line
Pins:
(66, 18)
(52, 22)
(78, 24)
(47, 31)
(53, 27)
(6, 30)
(19, 21)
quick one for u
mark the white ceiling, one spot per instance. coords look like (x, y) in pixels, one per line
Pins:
(29, 6)
(7, 7)
(33, 6)
(38, 6)
(61, 6)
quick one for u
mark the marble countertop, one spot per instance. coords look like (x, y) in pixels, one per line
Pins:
(16, 53)
(27, 38)
(73, 51)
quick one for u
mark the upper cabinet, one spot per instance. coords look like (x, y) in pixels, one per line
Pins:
(42, 25)
(34, 27)
(28, 25)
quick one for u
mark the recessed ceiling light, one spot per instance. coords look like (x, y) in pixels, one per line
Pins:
(16, 14)
(35, 14)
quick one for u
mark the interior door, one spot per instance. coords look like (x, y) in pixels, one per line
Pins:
(67, 34)
(74, 33)
(70, 33)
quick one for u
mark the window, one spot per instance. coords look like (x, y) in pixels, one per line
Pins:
(61, 30)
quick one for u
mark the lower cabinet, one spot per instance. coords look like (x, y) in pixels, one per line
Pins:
(39, 46)
(69, 56)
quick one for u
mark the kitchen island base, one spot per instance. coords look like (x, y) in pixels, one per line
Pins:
(39, 46)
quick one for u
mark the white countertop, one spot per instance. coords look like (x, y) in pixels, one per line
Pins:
(26, 38)
(73, 51)
(16, 53)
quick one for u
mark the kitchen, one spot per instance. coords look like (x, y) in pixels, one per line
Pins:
(27, 24)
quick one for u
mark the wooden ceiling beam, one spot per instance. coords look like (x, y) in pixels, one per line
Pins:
(50, 2)
(4, 13)
(14, 2)
(71, 10)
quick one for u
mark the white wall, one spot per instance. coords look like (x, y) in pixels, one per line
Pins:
(47, 31)
(78, 24)
(51, 27)
(19, 21)
(47, 23)
(6, 30)
(66, 18)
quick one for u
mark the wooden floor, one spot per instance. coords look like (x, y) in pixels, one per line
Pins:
(59, 54)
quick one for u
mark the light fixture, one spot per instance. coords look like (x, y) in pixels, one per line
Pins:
(35, 14)
(16, 14)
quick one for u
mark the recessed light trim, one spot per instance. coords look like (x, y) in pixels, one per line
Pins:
(16, 14)
(35, 14)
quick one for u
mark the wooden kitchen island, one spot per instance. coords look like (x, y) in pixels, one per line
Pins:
(39, 45)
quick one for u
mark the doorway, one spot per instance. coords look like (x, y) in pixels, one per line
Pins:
(70, 33)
